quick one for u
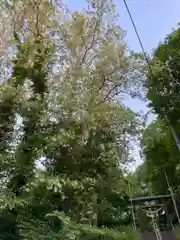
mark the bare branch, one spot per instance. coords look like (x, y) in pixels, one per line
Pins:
(115, 94)
(92, 43)
(30, 30)
(111, 91)
(84, 41)
(36, 8)
(104, 81)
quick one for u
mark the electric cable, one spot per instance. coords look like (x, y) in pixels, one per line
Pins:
(151, 75)
(139, 38)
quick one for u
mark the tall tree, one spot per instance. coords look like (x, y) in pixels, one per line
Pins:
(163, 93)
(163, 82)
(63, 106)
(161, 155)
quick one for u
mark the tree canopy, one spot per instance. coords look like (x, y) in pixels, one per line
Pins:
(65, 135)
(159, 148)
(162, 83)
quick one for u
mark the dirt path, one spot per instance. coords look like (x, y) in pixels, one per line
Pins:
(151, 236)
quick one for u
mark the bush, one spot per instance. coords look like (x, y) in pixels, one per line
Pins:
(66, 230)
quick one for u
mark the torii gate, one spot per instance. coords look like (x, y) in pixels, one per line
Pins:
(155, 207)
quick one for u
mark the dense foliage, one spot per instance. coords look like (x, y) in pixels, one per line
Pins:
(159, 147)
(161, 138)
(65, 136)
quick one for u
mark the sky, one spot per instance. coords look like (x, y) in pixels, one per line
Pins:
(154, 19)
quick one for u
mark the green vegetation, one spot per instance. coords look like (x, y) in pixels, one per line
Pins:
(65, 137)
(159, 148)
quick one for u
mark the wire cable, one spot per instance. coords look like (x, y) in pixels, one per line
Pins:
(151, 73)
(138, 36)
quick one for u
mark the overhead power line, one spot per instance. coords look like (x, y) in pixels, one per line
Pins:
(174, 133)
(176, 138)
(138, 36)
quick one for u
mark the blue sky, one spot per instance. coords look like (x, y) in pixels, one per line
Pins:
(154, 19)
